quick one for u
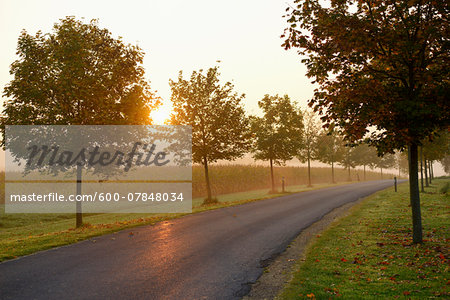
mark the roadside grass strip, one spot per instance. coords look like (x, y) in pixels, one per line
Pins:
(369, 253)
(23, 234)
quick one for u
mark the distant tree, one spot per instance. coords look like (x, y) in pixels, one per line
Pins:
(310, 134)
(220, 129)
(380, 64)
(329, 149)
(278, 133)
(425, 166)
(348, 160)
(436, 149)
(402, 162)
(385, 162)
(364, 156)
(76, 75)
(445, 162)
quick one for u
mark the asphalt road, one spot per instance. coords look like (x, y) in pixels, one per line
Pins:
(209, 255)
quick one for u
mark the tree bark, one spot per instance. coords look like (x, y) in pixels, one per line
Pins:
(414, 193)
(422, 189)
(79, 213)
(432, 170)
(271, 175)
(349, 175)
(426, 172)
(209, 198)
(429, 173)
(364, 172)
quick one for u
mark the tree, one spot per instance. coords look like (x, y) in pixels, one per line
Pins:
(402, 162)
(436, 149)
(348, 160)
(329, 149)
(310, 134)
(364, 156)
(445, 162)
(220, 129)
(384, 162)
(76, 75)
(380, 64)
(278, 133)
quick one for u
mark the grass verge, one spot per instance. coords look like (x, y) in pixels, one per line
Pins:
(22, 234)
(369, 254)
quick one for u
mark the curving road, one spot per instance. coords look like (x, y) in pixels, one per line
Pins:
(209, 255)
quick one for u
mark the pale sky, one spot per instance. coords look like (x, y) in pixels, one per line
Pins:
(180, 35)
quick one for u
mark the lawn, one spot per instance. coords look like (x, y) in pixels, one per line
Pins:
(369, 254)
(22, 234)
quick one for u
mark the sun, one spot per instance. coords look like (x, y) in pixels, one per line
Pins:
(161, 115)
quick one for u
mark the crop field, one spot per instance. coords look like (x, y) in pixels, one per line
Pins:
(227, 179)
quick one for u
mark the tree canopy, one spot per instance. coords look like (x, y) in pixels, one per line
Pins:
(77, 74)
(377, 63)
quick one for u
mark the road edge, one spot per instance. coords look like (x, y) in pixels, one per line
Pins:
(280, 270)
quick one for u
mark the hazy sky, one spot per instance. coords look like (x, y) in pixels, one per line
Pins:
(180, 35)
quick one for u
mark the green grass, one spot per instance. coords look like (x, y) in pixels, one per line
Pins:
(369, 254)
(22, 234)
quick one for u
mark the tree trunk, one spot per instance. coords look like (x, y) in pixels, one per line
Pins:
(79, 213)
(364, 172)
(422, 189)
(271, 176)
(429, 173)
(414, 193)
(432, 170)
(309, 171)
(349, 175)
(426, 172)
(381, 171)
(209, 198)
(332, 172)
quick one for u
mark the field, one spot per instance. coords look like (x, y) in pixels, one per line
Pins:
(22, 234)
(227, 179)
(369, 254)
